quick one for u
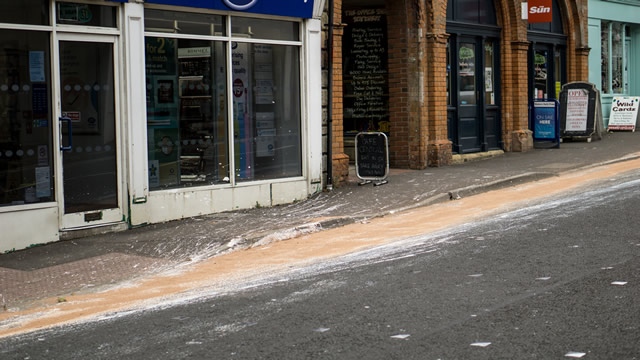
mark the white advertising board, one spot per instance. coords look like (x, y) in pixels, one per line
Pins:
(577, 110)
(624, 113)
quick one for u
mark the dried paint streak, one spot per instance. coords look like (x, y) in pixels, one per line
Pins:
(248, 267)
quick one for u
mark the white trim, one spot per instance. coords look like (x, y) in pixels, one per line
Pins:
(241, 184)
(229, 107)
(186, 36)
(135, 104)
(78, 29)
(27, 207)
(313, 104)
(267, 42)
(9, 26)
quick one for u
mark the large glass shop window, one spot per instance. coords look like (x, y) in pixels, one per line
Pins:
(186, 112)
(26, 167)
(266, 111)
(187, 100)
(613, 70)
(14, 12)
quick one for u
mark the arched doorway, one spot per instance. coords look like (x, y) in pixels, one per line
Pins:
(473, 77)
(547, 57)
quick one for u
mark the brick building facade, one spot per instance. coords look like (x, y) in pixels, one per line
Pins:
(427, 70)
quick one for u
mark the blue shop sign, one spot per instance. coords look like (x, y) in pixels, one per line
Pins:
(292, 8)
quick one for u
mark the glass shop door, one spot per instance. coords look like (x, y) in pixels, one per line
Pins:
(88, 131)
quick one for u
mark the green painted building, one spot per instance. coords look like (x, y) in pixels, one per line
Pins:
(614, 38)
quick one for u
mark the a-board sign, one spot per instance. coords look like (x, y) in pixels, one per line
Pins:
(544, 121)
(372, 156)
(580, 111)
(624, 113)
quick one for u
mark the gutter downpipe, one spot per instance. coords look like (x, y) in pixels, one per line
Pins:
(330, 101)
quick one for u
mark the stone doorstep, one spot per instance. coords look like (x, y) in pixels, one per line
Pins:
(457, 159)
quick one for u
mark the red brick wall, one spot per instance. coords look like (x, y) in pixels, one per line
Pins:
(417, 41)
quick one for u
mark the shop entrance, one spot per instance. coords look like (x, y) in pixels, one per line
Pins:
(547, 76)
(477, 127)
(547, 52)
(473, 77)
(87, 131)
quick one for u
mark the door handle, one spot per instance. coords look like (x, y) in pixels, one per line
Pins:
(60, 121)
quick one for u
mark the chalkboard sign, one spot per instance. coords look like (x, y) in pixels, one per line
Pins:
(580, 111)
(365, 71)
(372, 156)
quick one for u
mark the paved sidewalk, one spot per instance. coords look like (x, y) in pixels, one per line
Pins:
(91, 263)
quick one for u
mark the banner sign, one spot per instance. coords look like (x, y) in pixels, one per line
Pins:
(539, 11)
(624, 113)
(292, 8)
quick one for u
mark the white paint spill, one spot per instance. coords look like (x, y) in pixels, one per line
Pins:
(400, 336)
(321, 330)
(367, 307)
(544, 278)
(475, 275)
(575, 246)
(193, 342)
(474, 315)
(607, 268)
(575, 355)
(481, 344)
(619, 283)
(393, 259)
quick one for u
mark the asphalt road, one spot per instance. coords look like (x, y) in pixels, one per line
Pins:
(558, 279)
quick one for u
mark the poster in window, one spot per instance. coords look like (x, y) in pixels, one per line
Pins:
(488, 79)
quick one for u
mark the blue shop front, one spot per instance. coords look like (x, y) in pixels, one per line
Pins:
(116, 114)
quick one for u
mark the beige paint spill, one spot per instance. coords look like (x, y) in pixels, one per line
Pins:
(240, 266)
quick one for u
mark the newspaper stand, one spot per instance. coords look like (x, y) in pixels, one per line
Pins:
(544, 122)
(372, 158)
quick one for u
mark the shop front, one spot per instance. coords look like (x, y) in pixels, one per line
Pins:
(455, 77)
(116, 114)
(547, 56)
(614, 38)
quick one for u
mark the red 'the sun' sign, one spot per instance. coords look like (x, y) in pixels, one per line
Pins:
(539, 11)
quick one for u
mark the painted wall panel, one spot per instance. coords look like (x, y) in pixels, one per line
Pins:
(614, 11)
(21, 229)
(285, 193)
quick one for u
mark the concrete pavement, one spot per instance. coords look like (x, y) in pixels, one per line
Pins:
(89, 264)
